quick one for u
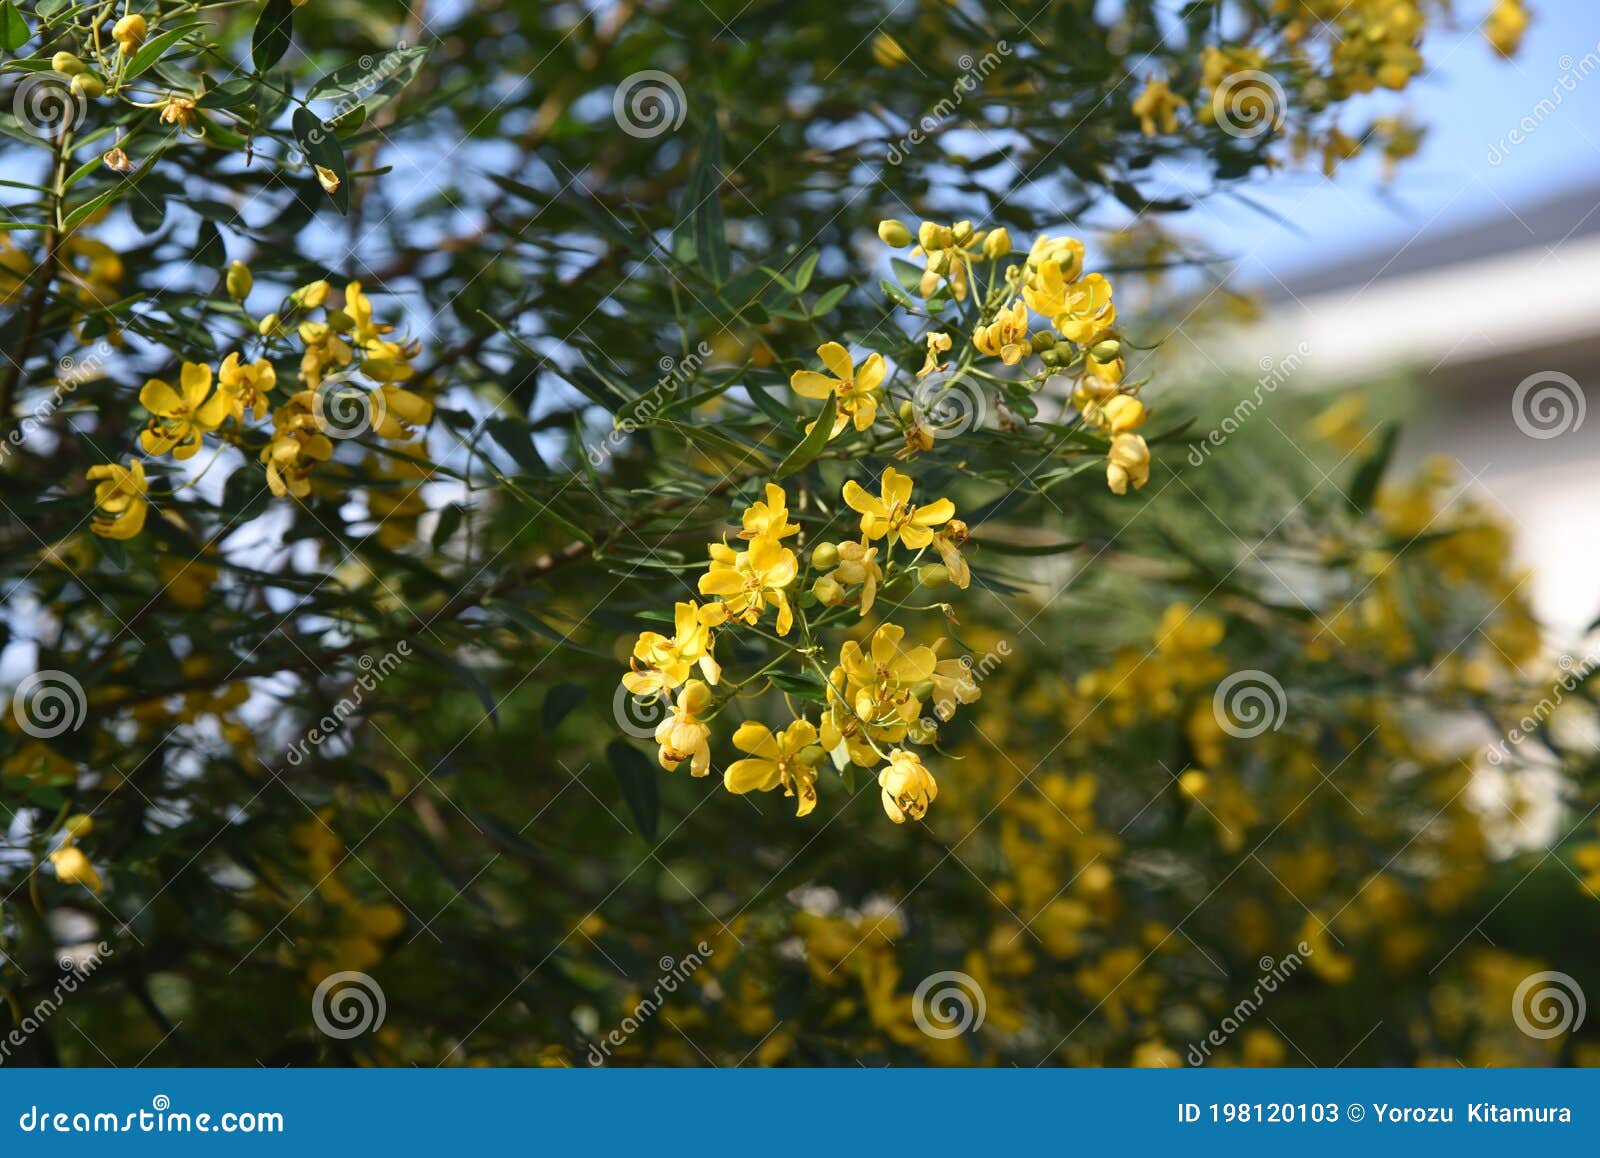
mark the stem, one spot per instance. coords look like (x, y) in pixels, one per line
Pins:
(47, 270)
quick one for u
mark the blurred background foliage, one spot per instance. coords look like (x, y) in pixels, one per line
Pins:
(480, 835)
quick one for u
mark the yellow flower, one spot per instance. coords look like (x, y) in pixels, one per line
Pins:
(769, 519)
(883, 681)
(119, 499)
(683, 736)
(908, 787)
(953, 684)
(858, 564)
(856, 391)
(73, 868)
(788, 758)
(1157, 107)
(327, 178)
(1065, 253)
(246, 385)
(399, 412)
(746, 581)
(894, 514)
(1006, 337)
(1123, 414)
(297, 445)
(666, 661)
(178, 111)
(887, 52)
(1082, 309)
(180, 417)
(947, 541)
(938, 343)
(324, 348)
(1505, 26)
(1128, 462)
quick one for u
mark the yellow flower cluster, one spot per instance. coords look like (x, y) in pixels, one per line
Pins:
(346, 340)
(874, 696)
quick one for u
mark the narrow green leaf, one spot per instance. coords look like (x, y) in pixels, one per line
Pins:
(273, 32)
(636, 776)
(1364, 485)
(559, 703)
(321, 149)
(152, 49)
(14, 30)
(811, 445)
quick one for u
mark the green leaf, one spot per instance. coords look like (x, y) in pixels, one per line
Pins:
(273, 33)
(827, 302)
(710, 232)
(895, 294)
(448, 523)
(559, 702)
(1000, 547)
(469, 679)
(1364, 485)
(636, 776)
(152, 49)
(230, 94)
(811, 445)
(513, 437)
(14, 30)
(317, 141)
(399, 65)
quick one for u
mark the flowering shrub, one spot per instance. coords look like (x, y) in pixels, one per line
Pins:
(442, 427)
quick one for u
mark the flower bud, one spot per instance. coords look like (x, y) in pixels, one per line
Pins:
(933, 576)
(932, 236)
(893, 234)
(311, 295)
(812, 756)
(89, 85)
(997, 244)
(239, 281)
(961, 232)
(66, 64)
(129, 33)
(825, 556)
(1108, 350)
(268, 326)
(828, 592)
(938, 261)
(1043, 340)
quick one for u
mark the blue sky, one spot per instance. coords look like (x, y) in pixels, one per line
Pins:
(1471, 99)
